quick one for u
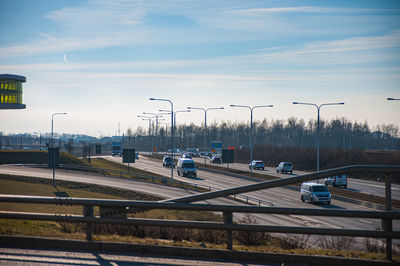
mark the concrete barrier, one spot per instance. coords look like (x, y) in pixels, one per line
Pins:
(181, 252)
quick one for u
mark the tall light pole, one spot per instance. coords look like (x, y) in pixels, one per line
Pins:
(52, 145)
(318, 133)
(180, 111)
(251, 128)
(156, 116)
(172, 131)
(148, 118)
(205, 124)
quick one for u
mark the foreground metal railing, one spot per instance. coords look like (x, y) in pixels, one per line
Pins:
(227, 225)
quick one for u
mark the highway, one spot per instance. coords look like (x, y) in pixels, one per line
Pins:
(279, 197)
(360, 185)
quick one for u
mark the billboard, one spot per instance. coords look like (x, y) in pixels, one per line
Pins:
(228, 156)
(216, 146)
(128, 156)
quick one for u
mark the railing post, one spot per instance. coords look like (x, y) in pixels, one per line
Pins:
(228, 219)
(388, 222)
(88, 212)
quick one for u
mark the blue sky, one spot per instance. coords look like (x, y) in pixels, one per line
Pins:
(100, 61)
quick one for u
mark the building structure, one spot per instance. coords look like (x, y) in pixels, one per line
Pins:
(11, 91)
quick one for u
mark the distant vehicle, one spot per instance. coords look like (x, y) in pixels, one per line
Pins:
(285, 167)
(168, 162)
(26, 148)
(336, 181)
(116, 149)
(314, 192)
(186, 167)
(187, 156)
(257, 164)
(193, 152)
(216, 160)
(176, 151)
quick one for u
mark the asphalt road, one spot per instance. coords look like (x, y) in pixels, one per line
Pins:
(279, 197)
(360, 185)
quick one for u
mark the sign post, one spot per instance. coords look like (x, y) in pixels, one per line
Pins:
(228, 156)
(128, 156)
(98, 149)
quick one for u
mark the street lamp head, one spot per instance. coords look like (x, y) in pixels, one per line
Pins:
(295, 103)
(151, 99)
(392, 99)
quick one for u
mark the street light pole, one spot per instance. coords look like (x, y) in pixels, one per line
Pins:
(251, 128)
(318, 129)
(180, 111)
(52, 146)
(172, 131)
(205, 125)
(156, 116)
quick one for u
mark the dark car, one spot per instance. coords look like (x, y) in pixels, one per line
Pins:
(216, 160)
(168, 162)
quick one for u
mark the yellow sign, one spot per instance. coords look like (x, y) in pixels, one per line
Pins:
(154, 149)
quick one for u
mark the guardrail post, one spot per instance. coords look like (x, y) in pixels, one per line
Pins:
(388, 222)
(228, 219)
(88, 212)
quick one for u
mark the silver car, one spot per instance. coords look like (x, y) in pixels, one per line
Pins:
(285, 167)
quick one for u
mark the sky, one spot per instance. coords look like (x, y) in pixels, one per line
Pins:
(101, 61)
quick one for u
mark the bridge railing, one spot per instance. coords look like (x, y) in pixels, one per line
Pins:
(227, 211)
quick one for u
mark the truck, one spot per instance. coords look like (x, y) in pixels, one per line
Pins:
(116, 149)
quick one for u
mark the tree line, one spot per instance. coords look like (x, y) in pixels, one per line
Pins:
(293, 132)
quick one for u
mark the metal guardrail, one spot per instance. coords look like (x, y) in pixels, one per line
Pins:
(164, 180)
(227, 211)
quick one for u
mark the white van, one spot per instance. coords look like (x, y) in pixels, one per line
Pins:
(186, 167)
(314, 192)
(336, 181)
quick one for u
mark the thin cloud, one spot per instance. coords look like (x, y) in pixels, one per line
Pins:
(310, 9)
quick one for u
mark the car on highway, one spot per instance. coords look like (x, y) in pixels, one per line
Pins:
(168, 162)
(257, 164)
(186, 167)
(285, 167)
(336, 181)
(186, 155)
(315, 192)
(216, 160)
